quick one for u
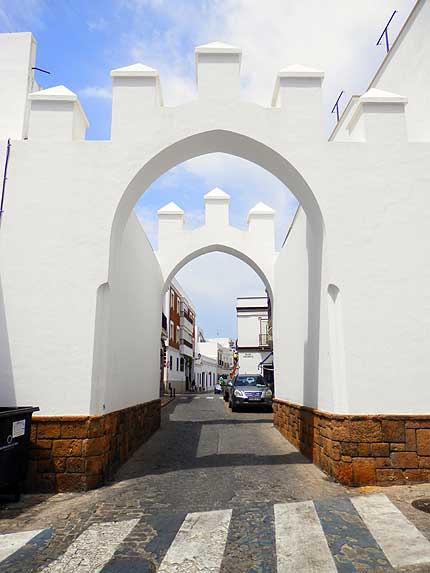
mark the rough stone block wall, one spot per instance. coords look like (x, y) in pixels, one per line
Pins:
(359, 450)
(78, 453)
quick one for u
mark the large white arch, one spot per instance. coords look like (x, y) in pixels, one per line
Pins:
(215, 141)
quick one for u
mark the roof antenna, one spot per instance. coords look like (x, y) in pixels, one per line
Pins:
(385, 33)
(40, 70)
(336, 105)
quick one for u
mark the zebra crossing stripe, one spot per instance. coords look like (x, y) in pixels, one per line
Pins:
(93, 548)
(300, 541)
(401, 541)
(199, 544)
(12, 542)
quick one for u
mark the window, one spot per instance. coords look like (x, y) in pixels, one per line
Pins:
(172, 299)
(171, 331)
(178, 304)
(177, 334)
(182, 364)
(170, 362)
(177, 364)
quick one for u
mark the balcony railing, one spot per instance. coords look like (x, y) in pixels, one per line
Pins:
(184, 316)
(186, 343)
(265, 340)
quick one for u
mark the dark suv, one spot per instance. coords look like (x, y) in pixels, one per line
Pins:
(248, 390)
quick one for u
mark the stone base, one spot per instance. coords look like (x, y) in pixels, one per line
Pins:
(359, 450)
(78, 453)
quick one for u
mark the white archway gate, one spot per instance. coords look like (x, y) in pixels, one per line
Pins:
(80, 284)
(255, 246)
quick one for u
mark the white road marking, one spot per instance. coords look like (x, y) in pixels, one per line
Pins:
(90, 552)
(11, 542)
(199, 544)
(209, 397)
(401, 541)
(300, 541)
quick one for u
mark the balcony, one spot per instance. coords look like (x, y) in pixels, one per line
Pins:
(265, 340)
(164, 331)
(186, 322)
(186, 348)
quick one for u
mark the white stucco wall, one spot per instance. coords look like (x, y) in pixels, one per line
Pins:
(249, 361)
(302, 375)
(17, 57)
(206, 365)
(248, 328)
(408, 72)
(133, 359)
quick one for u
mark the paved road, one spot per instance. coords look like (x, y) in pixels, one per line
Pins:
(216, 492)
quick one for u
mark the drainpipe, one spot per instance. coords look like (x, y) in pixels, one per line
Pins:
(3, 189)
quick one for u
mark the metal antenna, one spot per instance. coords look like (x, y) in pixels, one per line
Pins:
(40, 70)
(336, 105)
(385, 33)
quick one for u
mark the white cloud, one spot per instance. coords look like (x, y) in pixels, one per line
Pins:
(96, 92)
(21, 16)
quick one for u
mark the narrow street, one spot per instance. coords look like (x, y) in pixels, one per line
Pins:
(215, 491)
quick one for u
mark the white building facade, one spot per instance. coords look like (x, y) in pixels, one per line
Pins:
(214, 358)
(254, 340)
(181, 320)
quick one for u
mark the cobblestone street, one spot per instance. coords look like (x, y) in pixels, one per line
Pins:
(215, 491)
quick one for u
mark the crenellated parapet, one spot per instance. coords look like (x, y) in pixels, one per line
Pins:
(255, 245)
(138, 109)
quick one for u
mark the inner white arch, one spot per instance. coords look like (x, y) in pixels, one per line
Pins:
(222, 249)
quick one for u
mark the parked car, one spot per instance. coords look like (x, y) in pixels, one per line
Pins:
(249, 390)
(217, 388)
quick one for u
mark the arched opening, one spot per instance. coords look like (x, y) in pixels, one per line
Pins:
(216, 141)
(119, 382)
(207, 323)
(221, 249)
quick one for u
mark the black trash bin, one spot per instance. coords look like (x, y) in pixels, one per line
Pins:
(15, 425)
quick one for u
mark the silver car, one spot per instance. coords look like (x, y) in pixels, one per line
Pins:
(249, 390)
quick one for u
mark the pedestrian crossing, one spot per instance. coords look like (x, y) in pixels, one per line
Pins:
(362, 533)
(300, 541)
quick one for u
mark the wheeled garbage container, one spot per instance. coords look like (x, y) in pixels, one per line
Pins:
(15, 425)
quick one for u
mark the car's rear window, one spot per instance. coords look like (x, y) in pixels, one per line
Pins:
(250, 381)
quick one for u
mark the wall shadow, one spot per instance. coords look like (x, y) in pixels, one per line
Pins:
(7, 385)
(182, 445)
(314, 246)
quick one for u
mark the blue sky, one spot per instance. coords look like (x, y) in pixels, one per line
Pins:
(80, 41)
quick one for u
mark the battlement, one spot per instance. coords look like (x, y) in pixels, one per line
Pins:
(256, 243)
(260, 219)
(138, 107)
